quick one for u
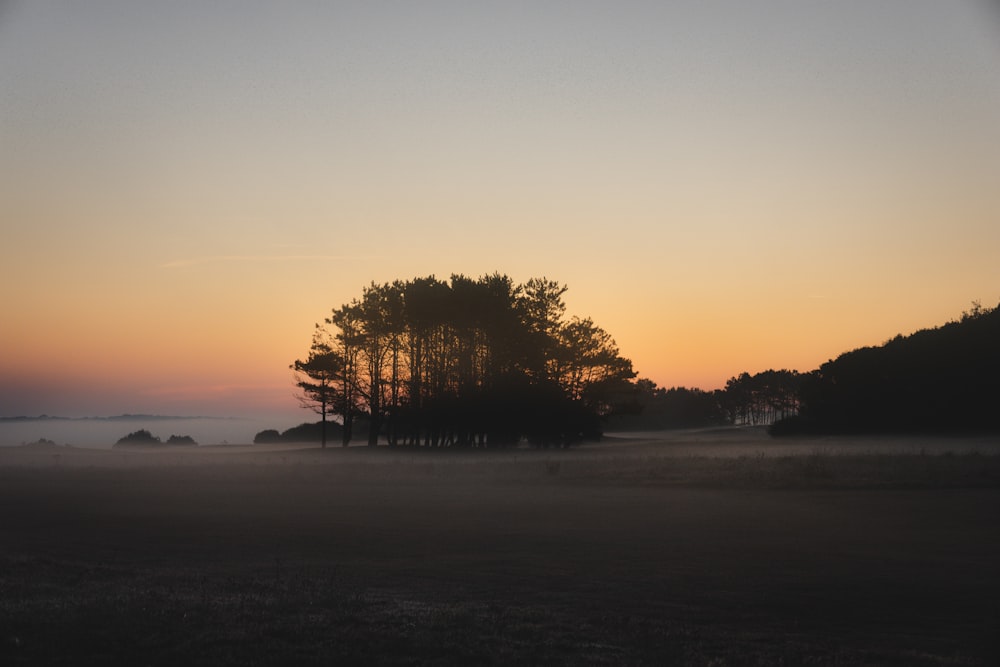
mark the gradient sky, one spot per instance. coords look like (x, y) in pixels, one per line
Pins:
(186, 187)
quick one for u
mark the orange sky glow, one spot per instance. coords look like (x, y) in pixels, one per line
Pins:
(185, 192)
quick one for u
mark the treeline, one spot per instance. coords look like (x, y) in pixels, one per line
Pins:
(465, 362)
(309, 432)
(757, 399)
(940, 380)
(935, 380)
(486, 362)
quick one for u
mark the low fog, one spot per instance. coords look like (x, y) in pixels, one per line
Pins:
(105, 432)
(693, 547)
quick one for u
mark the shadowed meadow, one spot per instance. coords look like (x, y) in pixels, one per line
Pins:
(717, 546)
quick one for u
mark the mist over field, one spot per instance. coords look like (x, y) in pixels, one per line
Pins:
(696, 547)
(105, 432)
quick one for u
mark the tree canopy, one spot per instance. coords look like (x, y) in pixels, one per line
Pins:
(463, 362)
(935, 380)
(477, 362)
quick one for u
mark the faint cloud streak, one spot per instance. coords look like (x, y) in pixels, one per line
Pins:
(211, 259)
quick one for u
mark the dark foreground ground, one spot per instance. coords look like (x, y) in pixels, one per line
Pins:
(613, 555)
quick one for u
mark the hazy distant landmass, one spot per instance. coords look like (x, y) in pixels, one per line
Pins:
(105, 430)
(113, 418)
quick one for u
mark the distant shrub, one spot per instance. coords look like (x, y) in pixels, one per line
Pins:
(267, 437)
(41, 442)
(140, 437)
(309, 432)
(303, 433)
(181, 440)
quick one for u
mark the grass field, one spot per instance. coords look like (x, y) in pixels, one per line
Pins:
(697, 548)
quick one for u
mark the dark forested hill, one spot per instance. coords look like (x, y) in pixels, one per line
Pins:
(945, 379)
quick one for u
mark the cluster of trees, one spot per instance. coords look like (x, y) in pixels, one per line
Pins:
(310, 432)
(464, 362)
(935, 380)
(762, 398)
(487, 362)
(650, 408)
(756, 399)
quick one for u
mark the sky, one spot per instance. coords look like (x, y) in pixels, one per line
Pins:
(187, 187)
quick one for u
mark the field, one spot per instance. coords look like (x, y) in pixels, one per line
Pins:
(692, 548)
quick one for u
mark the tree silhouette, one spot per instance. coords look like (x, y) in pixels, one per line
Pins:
(317, 378)
(747, 399)
(762, 398)
(140, 437)
(649, 407)
(467, 362)
(935, 380)
(345, 344)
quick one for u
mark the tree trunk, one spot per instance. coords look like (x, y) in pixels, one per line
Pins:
(348, 428)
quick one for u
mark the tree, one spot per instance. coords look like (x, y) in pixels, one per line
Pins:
(543, 308)
(379, 326)
(588, 365)
(317, 378)
(346, 345)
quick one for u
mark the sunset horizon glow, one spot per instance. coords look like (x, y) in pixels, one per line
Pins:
(186, 190)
